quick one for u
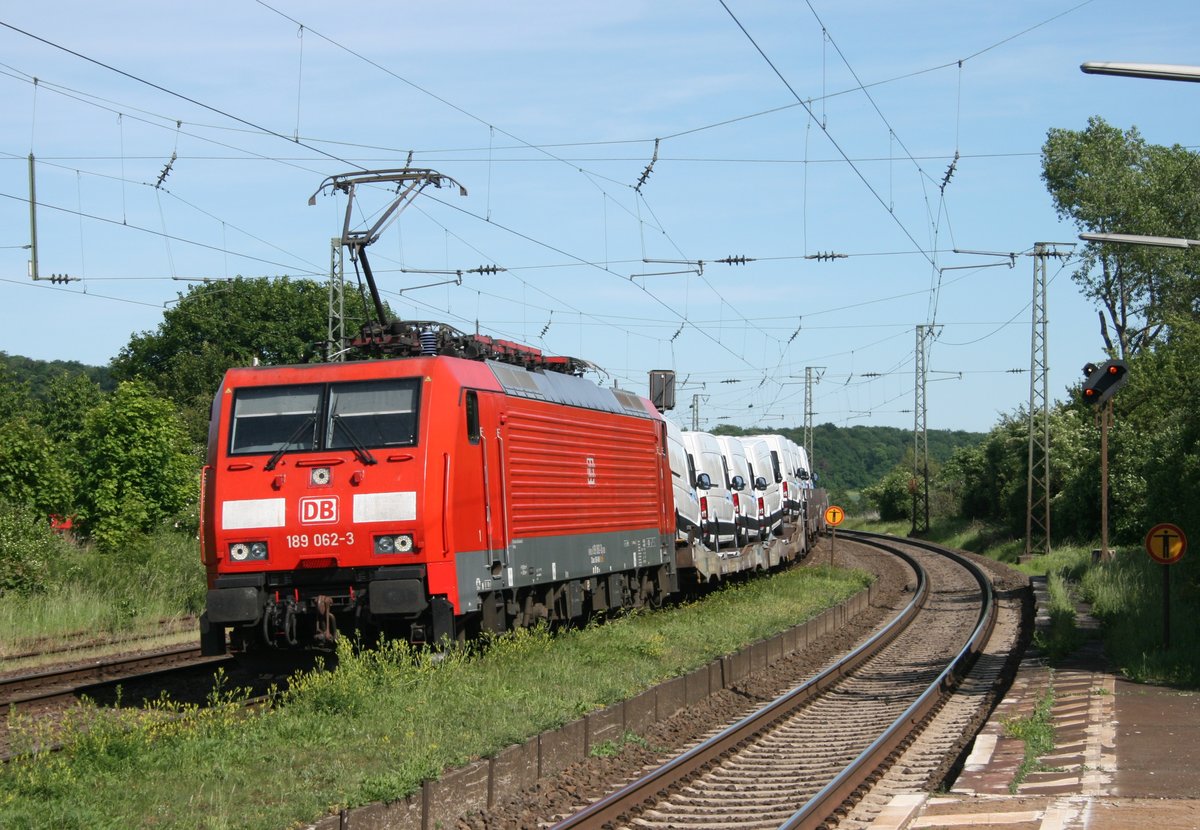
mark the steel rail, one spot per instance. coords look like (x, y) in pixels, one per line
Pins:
(58, 683)
(822, 805)
(621, 802)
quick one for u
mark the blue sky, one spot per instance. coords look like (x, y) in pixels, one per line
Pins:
(784, 131)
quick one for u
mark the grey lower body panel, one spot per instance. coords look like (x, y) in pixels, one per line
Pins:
(549, 559)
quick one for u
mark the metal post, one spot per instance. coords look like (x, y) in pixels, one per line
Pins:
(1037, 499)
(1105, 421)
(1166, 569)
(920, 479)
(33, 251)
(809, 380)
(336, 331)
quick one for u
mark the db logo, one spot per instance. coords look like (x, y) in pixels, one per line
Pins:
(318, 510)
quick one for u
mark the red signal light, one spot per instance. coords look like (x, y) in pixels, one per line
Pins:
(1099, 386)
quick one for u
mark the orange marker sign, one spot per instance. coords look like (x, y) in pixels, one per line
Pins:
(834, 515)
(1166, 543)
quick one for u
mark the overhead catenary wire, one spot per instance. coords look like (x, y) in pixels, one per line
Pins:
(727, 322)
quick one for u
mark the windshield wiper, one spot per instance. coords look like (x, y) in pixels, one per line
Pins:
(360, 449)
(305, 424)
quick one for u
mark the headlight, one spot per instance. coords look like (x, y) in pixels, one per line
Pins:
(248, 551)
(402, 543)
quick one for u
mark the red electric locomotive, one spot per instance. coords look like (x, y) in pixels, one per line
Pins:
(428, 497)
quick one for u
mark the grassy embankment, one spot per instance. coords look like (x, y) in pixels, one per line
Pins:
(1125, 595)
(91, 596)
(382, 722)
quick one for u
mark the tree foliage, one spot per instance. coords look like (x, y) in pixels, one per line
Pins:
(1109, 181)
(851, 458)
(26, 543)
(34, 470)
(35, 375)
(218, 325)
(135, 466)
(1112, 181)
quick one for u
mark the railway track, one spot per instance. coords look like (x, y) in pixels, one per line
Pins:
(130, 681)
(42, 688)
(805, 757)
(80, 641)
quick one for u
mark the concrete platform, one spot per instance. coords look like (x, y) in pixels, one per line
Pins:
(1125, 756)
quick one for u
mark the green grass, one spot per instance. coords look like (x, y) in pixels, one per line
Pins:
(1062, 636)
(1037, 733)
(382, 722)
(610, 749)
(1125, 595)
(90, 594)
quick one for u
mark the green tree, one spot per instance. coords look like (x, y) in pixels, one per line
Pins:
(15, 397)
(215, 326)
(136, 468)
(68, 398)
(891, 495)
(1109, 181)
(34, 470)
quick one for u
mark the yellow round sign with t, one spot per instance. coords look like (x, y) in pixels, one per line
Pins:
(833, 518)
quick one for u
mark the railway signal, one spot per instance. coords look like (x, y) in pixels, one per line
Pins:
(1101, 382)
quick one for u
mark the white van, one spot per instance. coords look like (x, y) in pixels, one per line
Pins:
(785, 463)
(765, 488)
(806, 477)
(713, 487)
(745, 504)
(683, 486)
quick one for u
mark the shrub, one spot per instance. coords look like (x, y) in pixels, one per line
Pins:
(26, 545)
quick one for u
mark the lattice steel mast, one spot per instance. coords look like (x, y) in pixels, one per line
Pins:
(1037, 501)
(335, 337)
(809, 380)
(920, 478)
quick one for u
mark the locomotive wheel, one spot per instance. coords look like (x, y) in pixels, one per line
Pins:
(654, 595)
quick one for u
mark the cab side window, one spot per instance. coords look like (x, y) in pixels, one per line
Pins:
(472, 407)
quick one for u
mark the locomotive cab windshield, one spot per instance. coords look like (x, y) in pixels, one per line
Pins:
(305, 418)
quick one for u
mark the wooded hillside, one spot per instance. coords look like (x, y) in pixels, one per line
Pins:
(850, 458)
